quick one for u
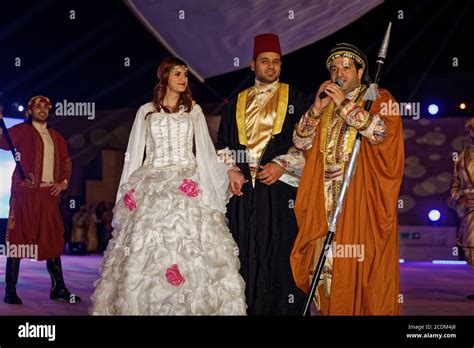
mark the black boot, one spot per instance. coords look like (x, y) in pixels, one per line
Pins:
(58, 289)
(11, 278)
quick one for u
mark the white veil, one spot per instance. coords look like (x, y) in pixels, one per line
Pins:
(213, 179)
(136, 146)
(212, 170)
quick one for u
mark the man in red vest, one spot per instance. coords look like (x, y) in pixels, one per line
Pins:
(34, 222)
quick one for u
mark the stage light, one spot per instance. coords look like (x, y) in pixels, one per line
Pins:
(401, 261)
(463, 106)
(434, 215)
(449, 262)
(433, 109)
(20, 108)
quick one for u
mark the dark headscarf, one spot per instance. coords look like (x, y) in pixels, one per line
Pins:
(350, 51)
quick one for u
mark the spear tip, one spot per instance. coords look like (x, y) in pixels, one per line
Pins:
(384, 47)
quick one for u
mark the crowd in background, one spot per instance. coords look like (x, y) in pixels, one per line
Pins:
(89, 229)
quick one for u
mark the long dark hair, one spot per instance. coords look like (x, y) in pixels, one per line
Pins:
(159, 92)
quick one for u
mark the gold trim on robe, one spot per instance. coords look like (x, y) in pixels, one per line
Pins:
(241, 110)
(282, 107)
(240, 115)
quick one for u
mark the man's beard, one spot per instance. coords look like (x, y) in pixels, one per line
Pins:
(40, 119)
(265, 80)
(352, 87)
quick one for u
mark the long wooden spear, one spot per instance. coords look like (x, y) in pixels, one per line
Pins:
(10, 144)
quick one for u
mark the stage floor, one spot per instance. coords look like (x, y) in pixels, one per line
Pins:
(427, 289)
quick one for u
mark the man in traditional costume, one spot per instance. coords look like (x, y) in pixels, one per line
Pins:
(462, 195)
(34, 220)
(255, 139)
(361, 272)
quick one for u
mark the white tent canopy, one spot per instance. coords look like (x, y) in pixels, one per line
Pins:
(215, 37)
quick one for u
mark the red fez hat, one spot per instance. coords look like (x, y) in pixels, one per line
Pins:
(266, 43)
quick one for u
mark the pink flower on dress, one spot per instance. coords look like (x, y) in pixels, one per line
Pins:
(129, 200)
(189, 187)
(173, 276)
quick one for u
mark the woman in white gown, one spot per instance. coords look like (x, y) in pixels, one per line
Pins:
(171, 252)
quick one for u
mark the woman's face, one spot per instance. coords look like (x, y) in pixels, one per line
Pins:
(178, 79)
(471, 133)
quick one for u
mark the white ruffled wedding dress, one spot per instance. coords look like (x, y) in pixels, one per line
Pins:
(171, 253)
